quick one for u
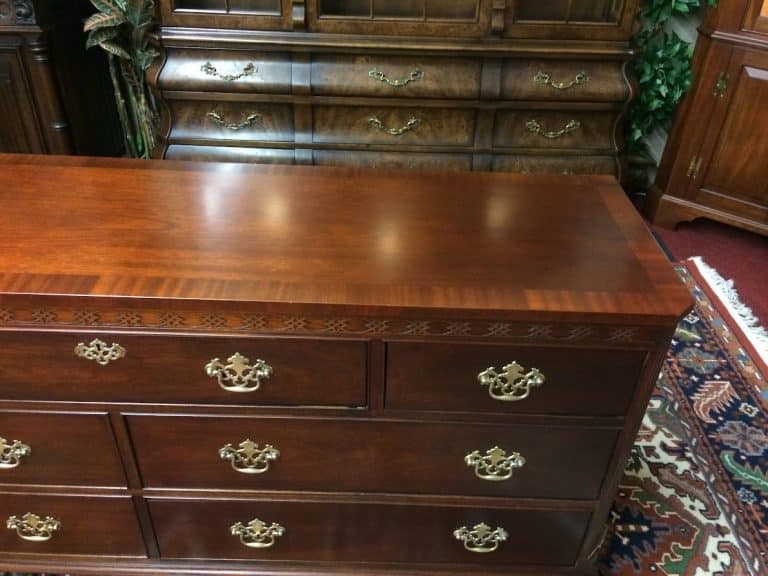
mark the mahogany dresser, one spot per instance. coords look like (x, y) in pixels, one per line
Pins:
(271, 370)
(502, 85)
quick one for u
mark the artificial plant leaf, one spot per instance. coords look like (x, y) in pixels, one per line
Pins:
(103, 20)
(115, 49)
(98, 36)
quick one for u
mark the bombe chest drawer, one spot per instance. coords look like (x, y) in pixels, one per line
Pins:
(240, 369)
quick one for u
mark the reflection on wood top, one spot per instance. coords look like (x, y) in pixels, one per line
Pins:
(478, 244)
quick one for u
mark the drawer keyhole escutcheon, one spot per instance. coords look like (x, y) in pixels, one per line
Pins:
(512, 384)
(546, 80)
(238, 374)
(257, 534)
(34, 528)
(535, 127)
(414, 76)
(100, 352)
(494, 465)
(211, 70)
(376, 123)
(248, 458)
(11, 453)
(481, 538)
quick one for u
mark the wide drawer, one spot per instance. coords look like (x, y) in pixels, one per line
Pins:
(89, 525)
(415, 160)
(572, 129)
(231, 121)
(162, 369)
(563, 165)
(447, 377)
(395, 76)
(564, 80)
(352, 532)
(230, 154)
(371, 456)
(58, 449)
(226, 71)
(394, 126)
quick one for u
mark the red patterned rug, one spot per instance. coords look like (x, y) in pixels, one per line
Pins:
(694, 497)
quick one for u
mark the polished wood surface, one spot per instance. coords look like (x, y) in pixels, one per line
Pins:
(316, 235)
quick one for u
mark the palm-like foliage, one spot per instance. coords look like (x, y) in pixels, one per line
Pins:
(121, 28)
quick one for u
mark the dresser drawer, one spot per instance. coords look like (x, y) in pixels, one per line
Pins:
(231, 121)
(446, 377)
(58, 449)
(395, 76)
(353, 532)
(563, 165)
(90, 525)
(394, 126)
(582, 130)
(162, 369)
(226, 71)
(384, 160)
(564, 80)
(370, 456)
(230, 154)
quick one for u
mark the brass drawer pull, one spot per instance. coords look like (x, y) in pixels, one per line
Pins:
(546, 80)
(100, 352)
(248, 458)
(12, 453)
(238, 374)
(512, 384)
(33, 528)
(535, 127)
(211, 70)
(412, 124)
(249, 121)
(256, 534)
(480, 538)
(494, 465)
(413, 76)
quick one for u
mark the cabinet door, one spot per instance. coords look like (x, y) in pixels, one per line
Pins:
(18, 125)
(587, 19)
(757, 16)
(236, 14)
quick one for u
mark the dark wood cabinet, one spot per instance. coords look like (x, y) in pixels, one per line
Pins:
(714, 164)
(504, 85)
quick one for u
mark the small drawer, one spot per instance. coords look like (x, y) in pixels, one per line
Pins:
(355, 532)
(194, 369)
(83, 525)
(59, 449)
(394, 126)
(582, 130)
(563, 165)
(446, 377)
(231, 121)
(226, 71)
(402, 77)
(564, 80)
(385, 160)
(338, 455)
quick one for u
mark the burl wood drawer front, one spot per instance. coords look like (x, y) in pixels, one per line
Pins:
(564, 80)
(99, 526)
(231, 121)
(371, 456)
(161, 369)
(395, 76)
(423, 161)
(351, 532)
(230, 154)
(394, 126)
(226, 71)
(58, 449)
(447, 377)
(563, 165)
(583, 130)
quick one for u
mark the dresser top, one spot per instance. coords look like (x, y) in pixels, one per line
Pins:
(463, 244)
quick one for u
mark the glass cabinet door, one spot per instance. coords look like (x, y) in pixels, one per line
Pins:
(579, 19)
(267, 14)
(550, 11)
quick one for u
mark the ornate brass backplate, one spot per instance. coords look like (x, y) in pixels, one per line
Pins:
(481, 538)
(256, 534)
(238, 374)
(11, 453)
(494, 465)
(512, 384)
(34, 528)
(248, 458)
(99, 351)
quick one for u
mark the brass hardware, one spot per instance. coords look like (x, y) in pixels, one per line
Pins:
(412, 124)
(512, 384)
(481, 538)
(413, 76)
(721, 86)
(256, 534)
(249, 458)
(99, 351)
(249, 121)
(12, 453)
(33, 528)
(238, 375)
(535, 127)
(546, 80)
(211, 70)
(495, 465)
(694, 167)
